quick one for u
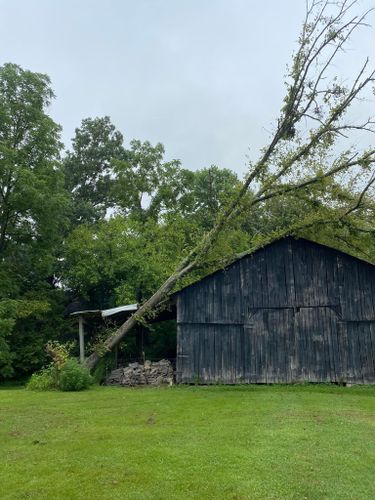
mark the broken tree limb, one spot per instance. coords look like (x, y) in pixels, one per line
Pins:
(308, 96)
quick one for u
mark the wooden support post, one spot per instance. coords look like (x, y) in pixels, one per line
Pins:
(143, 344)
(116, 355)
(81, 339)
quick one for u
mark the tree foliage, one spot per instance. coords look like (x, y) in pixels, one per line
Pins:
(89, 170)
(33, 203)
(147, 187)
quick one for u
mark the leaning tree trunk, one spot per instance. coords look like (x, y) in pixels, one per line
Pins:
(308, 98)
(152, 303)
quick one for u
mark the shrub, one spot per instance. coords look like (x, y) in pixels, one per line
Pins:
(44, 380)
(74, 377)
(58, 352)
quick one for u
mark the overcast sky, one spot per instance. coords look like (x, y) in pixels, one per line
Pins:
(204, 77)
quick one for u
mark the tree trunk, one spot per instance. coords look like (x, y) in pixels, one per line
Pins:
(142, 312)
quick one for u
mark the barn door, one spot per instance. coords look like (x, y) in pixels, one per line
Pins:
(210, 353)
(292, 344)
(357, 341)
(317, 346)
(267, 345)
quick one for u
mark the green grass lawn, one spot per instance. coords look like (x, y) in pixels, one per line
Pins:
(216, 442)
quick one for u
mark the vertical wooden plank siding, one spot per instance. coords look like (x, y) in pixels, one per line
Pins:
(293, 311)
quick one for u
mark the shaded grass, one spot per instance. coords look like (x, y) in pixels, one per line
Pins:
(217, 442)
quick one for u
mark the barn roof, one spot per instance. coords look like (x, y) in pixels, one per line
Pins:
(248, 253)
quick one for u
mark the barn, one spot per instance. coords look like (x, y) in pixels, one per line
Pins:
(294, 311)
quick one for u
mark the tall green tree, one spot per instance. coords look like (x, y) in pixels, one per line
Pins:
(32, 197)
(89, 168)
(212, 188)
(146, 186)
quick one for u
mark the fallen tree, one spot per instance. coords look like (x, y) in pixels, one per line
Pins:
(307, 149)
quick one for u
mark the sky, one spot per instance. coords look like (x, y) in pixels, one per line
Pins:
(204, 77)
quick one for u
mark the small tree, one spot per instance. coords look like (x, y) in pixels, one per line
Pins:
(298, 158)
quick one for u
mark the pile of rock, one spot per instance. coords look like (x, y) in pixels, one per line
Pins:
(151, 373)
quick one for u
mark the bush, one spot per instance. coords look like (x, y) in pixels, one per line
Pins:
(44, 380)
(74, 376)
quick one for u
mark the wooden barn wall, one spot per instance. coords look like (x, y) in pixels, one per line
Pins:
(294, 311)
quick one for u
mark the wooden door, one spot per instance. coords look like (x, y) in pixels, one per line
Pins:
(357, 350)
(291, 345)
(268, 337)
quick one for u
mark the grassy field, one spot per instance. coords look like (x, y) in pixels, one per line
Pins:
(217, 442)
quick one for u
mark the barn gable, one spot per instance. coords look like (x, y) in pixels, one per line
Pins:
(293, 311)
